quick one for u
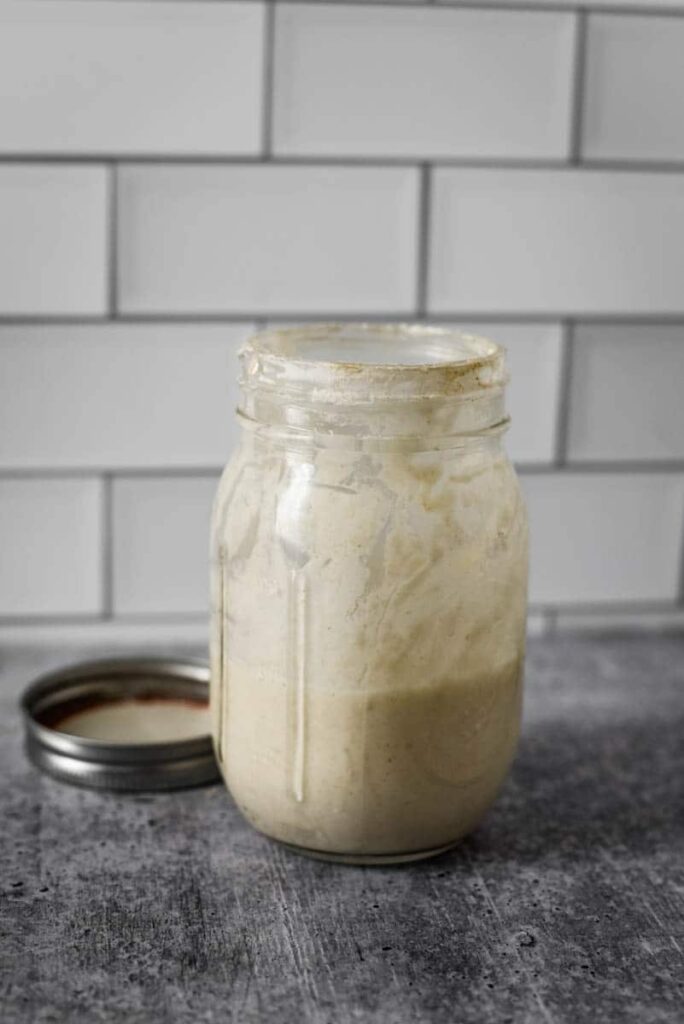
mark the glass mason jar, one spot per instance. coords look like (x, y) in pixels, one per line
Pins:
(368, 590)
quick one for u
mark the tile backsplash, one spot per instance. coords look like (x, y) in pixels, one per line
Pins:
(160, 544)
(53, 239)
(421, 82)
(571, 241)
(267, 239)
(634, 88)
(52, 543)
(174, 173)
(111, 77)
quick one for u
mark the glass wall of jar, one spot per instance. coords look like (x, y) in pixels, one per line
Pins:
(369, 575)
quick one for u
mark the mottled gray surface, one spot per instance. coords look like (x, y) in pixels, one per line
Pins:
(566, 906)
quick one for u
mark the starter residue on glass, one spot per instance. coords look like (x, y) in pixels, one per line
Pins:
(369, 615)
(138, 720)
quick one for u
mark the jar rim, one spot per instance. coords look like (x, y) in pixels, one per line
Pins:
(399, 359)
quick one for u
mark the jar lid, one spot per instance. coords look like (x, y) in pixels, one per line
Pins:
(122, 724)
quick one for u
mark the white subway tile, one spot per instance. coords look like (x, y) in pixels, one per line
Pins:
(53, 227)
(604, 537)
(161, 544)
(118, 395)
(386, 81)
(50, 547)
(626, 392)
(533, 353)
(130, 77)
(268, 239)
(634, 92)
(548, 242)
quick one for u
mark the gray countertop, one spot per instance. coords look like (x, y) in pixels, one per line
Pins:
(567, 905)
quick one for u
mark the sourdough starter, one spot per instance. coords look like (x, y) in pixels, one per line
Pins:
(369, 623)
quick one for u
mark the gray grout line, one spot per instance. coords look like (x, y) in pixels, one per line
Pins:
(563, 411)
(423, 241)
(522, 5)
(551, 613)
(671, 466)
(107, 561)
(626, 165)
(569, 6)
(640, 607)
(58, 320)
(113, 473)
(268, 81)
(578, 88)
(186, 473)
(150, 619)
(565, 8)
(577, 467)
(201, 159)
(51, 620)
(113, 241)
(250, 317)
(380, 162)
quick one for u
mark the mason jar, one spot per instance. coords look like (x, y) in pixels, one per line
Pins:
(369, 576)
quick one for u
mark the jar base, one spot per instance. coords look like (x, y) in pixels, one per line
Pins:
(369, 859)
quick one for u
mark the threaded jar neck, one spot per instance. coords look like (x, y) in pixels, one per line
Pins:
(382, 381)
